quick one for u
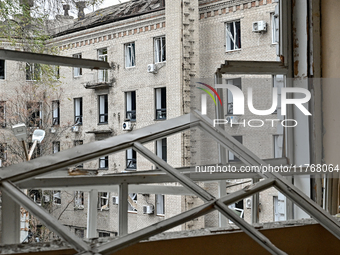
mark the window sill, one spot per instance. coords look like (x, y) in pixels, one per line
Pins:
(103, 210)
(130, 67)
(77, 77)
(130, 169)
(231, 51)
(160, 215)
(132, 212)
(159, 119)
(104, 123)
(105, 168)
(79, 208)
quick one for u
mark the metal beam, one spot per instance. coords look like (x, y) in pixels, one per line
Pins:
(123, 209)
(52, 59)
(92, 210)
(252, 67)
(96, 149)
(52, 223)
(10, 219)
(164, 225)
(184, 180)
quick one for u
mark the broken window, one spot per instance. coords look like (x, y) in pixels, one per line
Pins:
(103, 201)
(55, 113)
(57, 197)
(132, 202)
(131, 159)
(104, 162)
(233, 30)
(103, 109)
(161, 149)
(79, 200)
(130, 57)
(160, 103)
(3, 114)
(160, 55)
(33, 71)
(231, 156)
(3, 151)
(55, 147)
(230, 100)
(77, 71)
(131, 105)
(35, 195)
(37, 151)
(103, 75)
(160, 205)
(2, 69)
(34, 113)
(79, 232)
(78, 111)
(238, 208)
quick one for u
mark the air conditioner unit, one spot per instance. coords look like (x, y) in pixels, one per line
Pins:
(75, 129)
(127, 126)
(233, 119)
(115, 200)
(147, 209)
(53, 130)
(259, 26)
(248, 203)
(152, 68)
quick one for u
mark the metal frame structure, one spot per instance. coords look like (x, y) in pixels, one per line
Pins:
(14, 176)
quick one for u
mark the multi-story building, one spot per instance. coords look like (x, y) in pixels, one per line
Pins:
(156, 50)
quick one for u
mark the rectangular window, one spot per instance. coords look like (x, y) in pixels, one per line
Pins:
(130, 98)
(33, 71)
(104, 162)
(132, 202)
(79, 200)
(3, 151)
(238, 208)
(231, 156)
(131, 159)
(103, 201)
(160, 103)
(278, 144)
(78, 143)
(34, 113)
(103, 234)
(35, 195)
(103, 109)
(160, 55)
(233, 31)
(77, 71)
(57, 197)
(78, 111)
(160, 205)
(130, 57)
(55, 147)
(2, 69)
(103, 75)
(3, 114)
(161, 149)
(55, 113)
(236, 82)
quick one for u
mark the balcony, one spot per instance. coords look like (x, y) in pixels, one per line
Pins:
(97, 80)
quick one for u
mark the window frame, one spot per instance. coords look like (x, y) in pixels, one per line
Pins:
(77, 71)
(79, 200)
(3, 69)
(230, 96)
(160, 103)
(34, 121)
(3, 151)
(33, 71)
(103, 75)
(55, 145)
(131, 166)
(105, 115)
(160, 49)
(103, 201)
(80, 115)
(162, 148)
(232, 36)
(130, 105)
(104, 160)
(55, 113)
(160, 204)
(133, 197)
(56, 200)
(130, 55)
